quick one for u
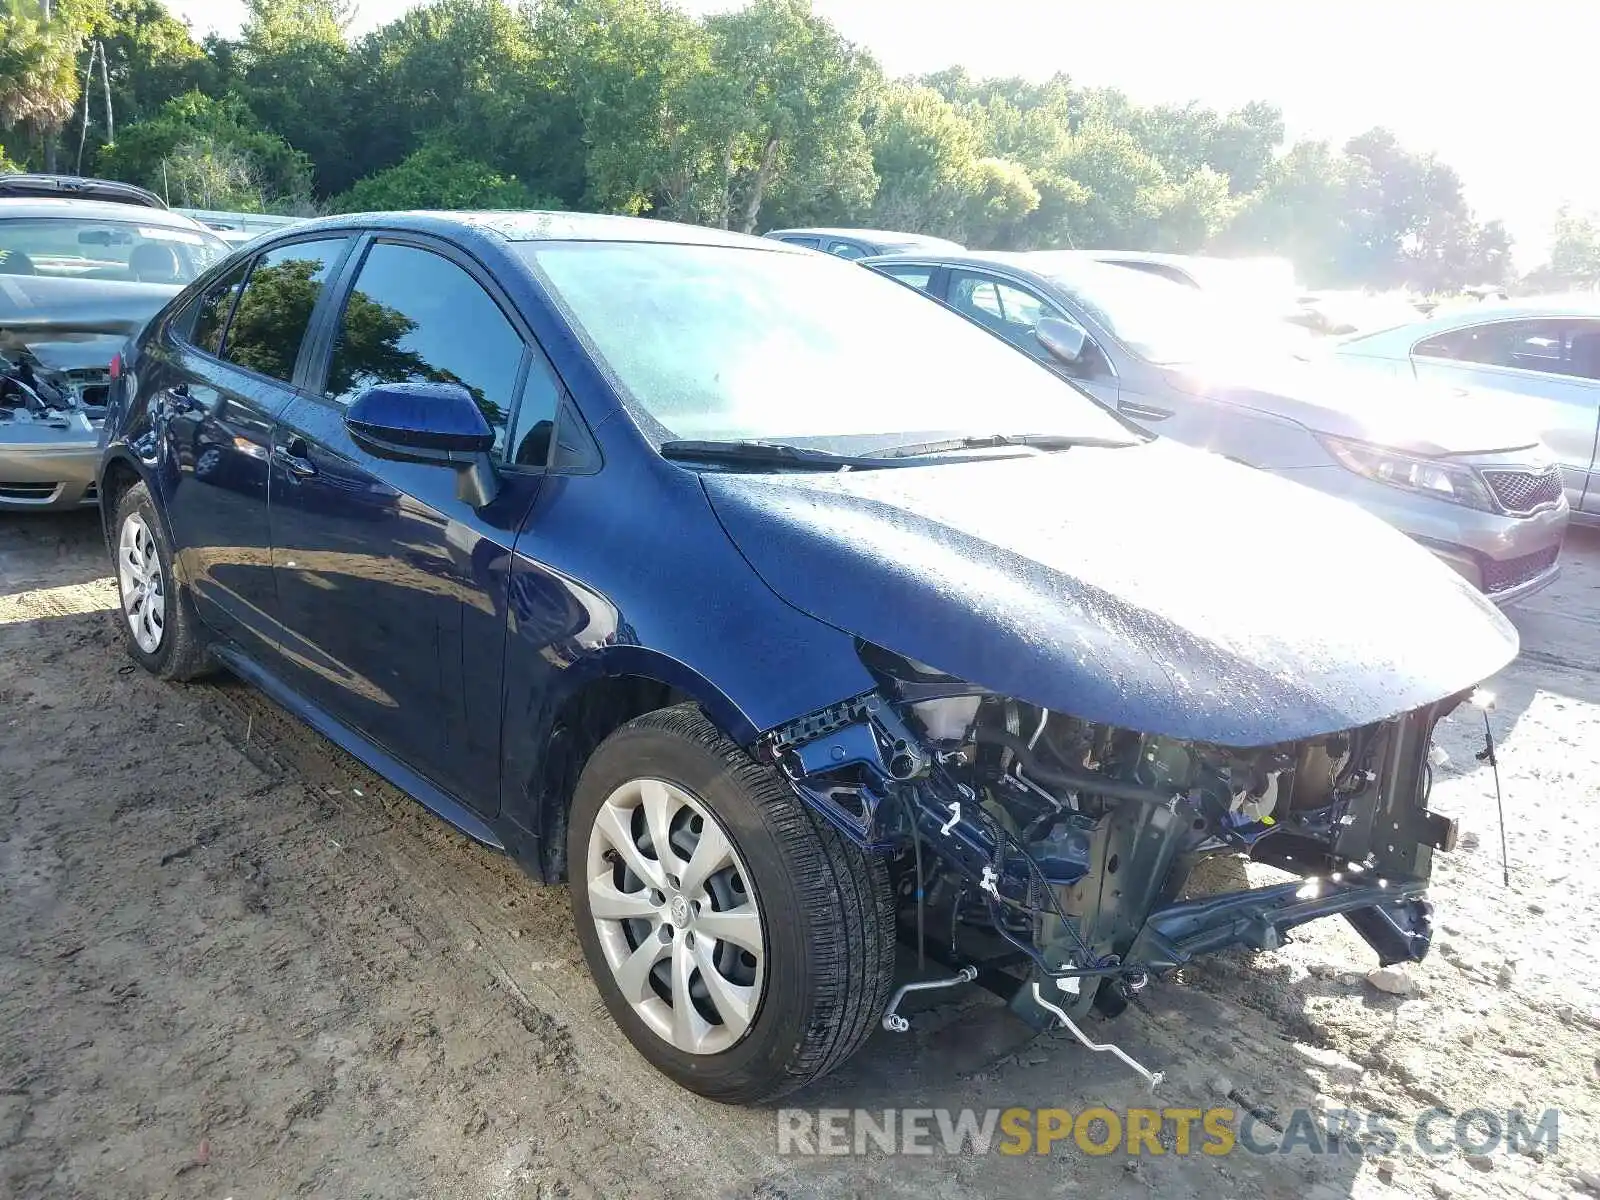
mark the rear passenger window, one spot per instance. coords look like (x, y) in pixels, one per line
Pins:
(279, 297)
(213, 310)
(414, 317)
(917, 277)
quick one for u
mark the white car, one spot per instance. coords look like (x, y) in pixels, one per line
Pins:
(1542, 355)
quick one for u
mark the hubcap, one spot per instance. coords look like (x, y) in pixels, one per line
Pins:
(677, 922)
(144, 600)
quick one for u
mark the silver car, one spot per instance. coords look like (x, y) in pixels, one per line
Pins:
(77, 277)
(1542, 356)
(1462, 479)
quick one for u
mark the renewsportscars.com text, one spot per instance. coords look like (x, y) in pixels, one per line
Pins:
(1099, 1130)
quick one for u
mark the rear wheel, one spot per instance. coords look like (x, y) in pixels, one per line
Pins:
(742, 945)
(159, 626)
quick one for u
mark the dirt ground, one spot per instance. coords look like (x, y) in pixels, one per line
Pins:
(233, 963)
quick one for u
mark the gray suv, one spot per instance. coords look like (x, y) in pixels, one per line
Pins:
(1485, 496)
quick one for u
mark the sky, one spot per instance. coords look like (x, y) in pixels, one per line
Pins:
(1498, 90)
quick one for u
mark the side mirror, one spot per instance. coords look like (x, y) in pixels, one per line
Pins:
(1063, 339)
(428, 423)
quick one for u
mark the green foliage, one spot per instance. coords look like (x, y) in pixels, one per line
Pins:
(748, 117)
(144, 152)
(38, 70)
(436, 176)
(1574, 252)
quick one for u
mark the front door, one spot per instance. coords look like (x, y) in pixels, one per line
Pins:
(218, 376)
(391, 586)
(1010, 310)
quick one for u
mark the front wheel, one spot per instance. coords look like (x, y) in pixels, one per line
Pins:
(741, 944)
(159, 626)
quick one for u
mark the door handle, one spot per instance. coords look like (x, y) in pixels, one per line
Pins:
(1144, 412)
(295, 461)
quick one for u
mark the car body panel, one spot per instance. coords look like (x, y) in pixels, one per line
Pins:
(1563, 409)
(1066, 580)
(1268, 411)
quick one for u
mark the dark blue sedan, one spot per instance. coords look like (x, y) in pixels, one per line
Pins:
(779, 612)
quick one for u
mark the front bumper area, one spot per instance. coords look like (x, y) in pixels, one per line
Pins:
(1504, 581)
(1393, 917)
(48, 477)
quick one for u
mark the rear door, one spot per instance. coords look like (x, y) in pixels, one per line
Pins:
(391, 587)
(219, 376)
(1548, 369)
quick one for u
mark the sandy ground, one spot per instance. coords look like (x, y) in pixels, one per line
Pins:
(233, 963)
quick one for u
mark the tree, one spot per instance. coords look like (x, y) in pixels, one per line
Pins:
(437, 176)
(798, 95)
(150, 57)
(660, 128)
(294, 74)
(925, 154)
(38, 73)
(1574, 252)
(474, 71)
(143, 153)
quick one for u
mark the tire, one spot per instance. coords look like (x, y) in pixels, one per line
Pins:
(824, 911)
(159, 626)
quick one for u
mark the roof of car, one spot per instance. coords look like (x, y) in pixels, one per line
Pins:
(870, 235)
(95, 210)
(1034, 261)
(24, 184)
(540, 227)
(1579, 304)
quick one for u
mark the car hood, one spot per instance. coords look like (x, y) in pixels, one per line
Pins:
(1329, 397)
(1156, 588)
(71, 323)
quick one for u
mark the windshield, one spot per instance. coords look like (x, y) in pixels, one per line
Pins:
(729, 343)
(113, 251)
(1163, 321)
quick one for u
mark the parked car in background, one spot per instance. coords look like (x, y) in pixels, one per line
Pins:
(76, 187)
(860, 243)
(237, 228)
(77, 278)
(1541, 357)
(1468, 482)
(546, 517)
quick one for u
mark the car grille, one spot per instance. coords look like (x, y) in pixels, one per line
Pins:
(28, 491)
(1512, 572)
(1524, 491)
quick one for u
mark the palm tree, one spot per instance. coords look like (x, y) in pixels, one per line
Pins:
(38, 71)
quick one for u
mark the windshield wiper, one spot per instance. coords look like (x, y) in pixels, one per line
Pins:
(1039, 441)
(770, 453)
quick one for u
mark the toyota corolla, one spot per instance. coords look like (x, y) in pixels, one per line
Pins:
(778, 611)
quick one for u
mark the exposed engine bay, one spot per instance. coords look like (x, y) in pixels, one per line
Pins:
(1047, 856)
(33, 393)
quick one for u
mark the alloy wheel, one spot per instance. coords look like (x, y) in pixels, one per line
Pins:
(677, 921)
(143, 587)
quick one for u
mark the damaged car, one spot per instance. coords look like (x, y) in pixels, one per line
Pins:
(77, 278)
(627, 549)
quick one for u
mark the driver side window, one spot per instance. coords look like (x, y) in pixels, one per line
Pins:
(1002, 307)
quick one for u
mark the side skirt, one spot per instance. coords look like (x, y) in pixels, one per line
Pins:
(424, 792)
